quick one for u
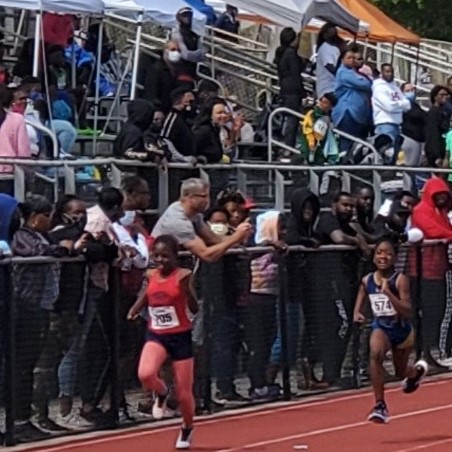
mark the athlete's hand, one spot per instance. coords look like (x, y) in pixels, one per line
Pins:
(132, 315)
(385, 287)
(359, 318)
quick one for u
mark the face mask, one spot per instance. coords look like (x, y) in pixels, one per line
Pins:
(411, 96)
(174, 56)
(29, 110)
(19, 108)
(219, 228)
(128, 218)
(78, 221)
(156, 128)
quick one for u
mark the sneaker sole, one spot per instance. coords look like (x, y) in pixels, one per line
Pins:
(423, 364)
(378, 419)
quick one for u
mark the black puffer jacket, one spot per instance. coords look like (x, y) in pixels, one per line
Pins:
(207, 140)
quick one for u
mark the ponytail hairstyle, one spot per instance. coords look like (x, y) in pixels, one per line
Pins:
(6, 98)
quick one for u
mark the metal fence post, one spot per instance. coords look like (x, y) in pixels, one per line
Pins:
(10, 358)
(418, 297)
(115, 292)
(283, 299)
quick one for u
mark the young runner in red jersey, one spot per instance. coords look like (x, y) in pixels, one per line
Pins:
(168, 295)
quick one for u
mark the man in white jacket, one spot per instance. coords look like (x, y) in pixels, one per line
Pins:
(389, 104)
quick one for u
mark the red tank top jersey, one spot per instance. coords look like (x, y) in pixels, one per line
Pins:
(167, 304)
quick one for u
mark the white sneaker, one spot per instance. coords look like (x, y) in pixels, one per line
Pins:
(159, 407)
(410, 385)
(73, 421)
(184, 438)
(445, 362)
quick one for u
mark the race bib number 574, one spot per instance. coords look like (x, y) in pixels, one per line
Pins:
(381, 305)
(163, 318)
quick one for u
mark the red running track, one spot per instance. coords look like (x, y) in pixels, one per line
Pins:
(419, 422)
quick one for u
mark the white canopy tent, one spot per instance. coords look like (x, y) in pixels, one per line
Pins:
(161, 13)
(298, 13)
(57, 6)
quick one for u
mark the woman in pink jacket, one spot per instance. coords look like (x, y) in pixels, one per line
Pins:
(14, 142)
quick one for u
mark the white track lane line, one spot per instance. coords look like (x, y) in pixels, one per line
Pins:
(337, 428)
(221, 417)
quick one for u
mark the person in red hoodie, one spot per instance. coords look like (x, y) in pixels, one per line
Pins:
(430, 216)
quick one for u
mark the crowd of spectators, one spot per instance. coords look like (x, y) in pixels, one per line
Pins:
(64, 317)
(365, 103)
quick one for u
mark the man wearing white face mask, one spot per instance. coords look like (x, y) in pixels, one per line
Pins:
(159, 78)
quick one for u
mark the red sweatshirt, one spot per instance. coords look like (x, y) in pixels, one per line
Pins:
(58, 29)
(435, 224)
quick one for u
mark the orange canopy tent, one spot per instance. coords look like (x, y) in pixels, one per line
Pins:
(381, 27)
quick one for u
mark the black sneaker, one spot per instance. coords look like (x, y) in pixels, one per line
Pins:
(47, 425)
(379, 414)
(233, 396)
(27, 432)
(184, 438)
(410, 385)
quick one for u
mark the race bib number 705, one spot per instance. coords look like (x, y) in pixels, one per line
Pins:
(381, 305)
(163, 318)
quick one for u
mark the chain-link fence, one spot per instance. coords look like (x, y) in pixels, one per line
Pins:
(70, 355)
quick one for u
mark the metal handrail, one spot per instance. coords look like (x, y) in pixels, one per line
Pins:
(264, 166)
(272, 142)
(37, 125)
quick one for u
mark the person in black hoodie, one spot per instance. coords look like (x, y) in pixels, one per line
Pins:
(305, 208)
(437, 125)
(290, 66)
(413, 128)
(135, 134)
(176, 128)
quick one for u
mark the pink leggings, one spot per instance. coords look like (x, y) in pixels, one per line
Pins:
(152, 358)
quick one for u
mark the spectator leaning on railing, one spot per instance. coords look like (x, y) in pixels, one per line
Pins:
(36, 288)
(334, 228)
(430, 216)
(97, 323)
(184, 220)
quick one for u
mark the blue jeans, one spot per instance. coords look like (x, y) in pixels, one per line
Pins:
(226, 341)
(294, 327)
(69, 366)
(352, 127)
(393, 132)
(66, 134)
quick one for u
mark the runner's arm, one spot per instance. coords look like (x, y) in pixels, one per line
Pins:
(358, 316)
(141, 302)
(403, 304)
(189, 290)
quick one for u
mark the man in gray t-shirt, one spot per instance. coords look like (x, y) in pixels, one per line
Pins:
(184, 220)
